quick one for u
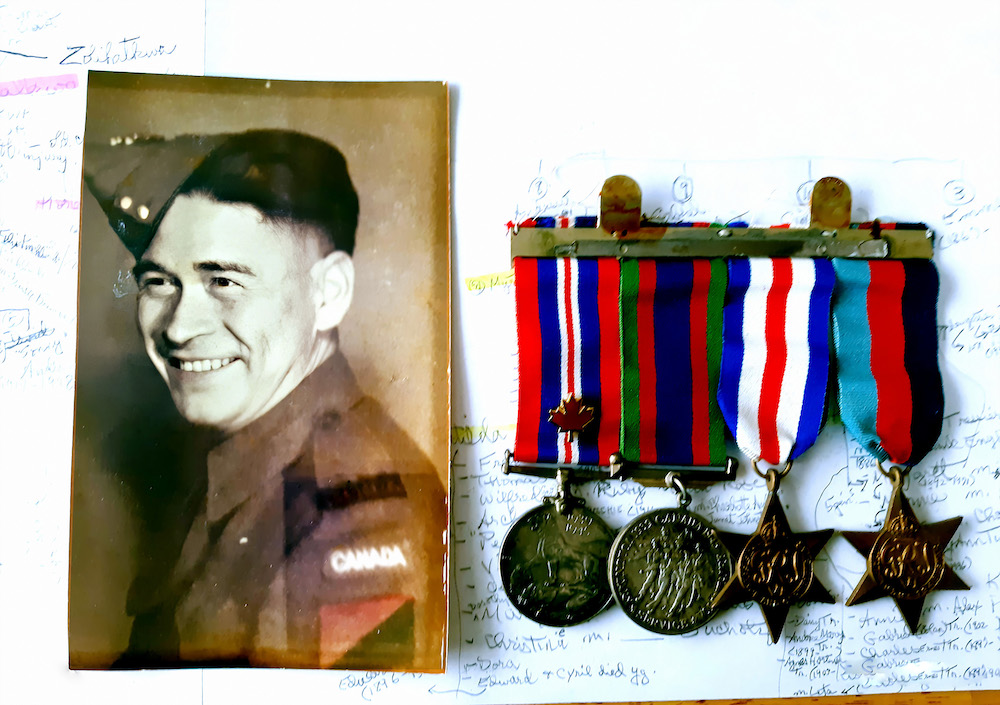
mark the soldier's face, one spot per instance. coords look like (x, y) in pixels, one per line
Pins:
(227, 308)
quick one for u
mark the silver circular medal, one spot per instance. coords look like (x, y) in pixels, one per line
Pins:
(554, 565)
(665, 569)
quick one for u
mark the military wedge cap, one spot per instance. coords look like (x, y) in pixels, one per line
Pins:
(286, 175)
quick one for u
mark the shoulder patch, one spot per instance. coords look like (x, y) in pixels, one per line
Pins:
(357, 560)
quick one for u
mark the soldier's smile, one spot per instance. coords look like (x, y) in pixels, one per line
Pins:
(219, 285)
(200, 365)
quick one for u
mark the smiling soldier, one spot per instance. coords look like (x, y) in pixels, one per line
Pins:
(316, 537)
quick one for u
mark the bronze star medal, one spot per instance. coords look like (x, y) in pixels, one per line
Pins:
(905, 558)
(775, 565)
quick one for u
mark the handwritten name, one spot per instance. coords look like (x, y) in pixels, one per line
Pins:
(527, 644)
(21, 241)
(12, 343)
(112, 53)
(475, 435)
(374, 683)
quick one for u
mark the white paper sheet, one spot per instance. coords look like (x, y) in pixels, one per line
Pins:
(748, 103)
(46, 50)
(824, 649)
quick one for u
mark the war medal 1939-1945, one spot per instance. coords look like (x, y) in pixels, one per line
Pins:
(553, 562)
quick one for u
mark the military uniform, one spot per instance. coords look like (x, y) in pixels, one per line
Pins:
(319, 541)
(315, 535)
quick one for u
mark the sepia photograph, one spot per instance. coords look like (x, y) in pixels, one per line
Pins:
(260, 461)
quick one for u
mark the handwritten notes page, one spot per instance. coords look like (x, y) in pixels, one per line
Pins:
(824, 649)
(46, 50)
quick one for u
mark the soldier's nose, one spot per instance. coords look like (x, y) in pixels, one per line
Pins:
(189, 318)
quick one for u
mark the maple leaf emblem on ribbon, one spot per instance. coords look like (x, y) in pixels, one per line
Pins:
(572, 415)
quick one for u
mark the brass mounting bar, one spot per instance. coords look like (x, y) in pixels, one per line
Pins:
(723, 242)
(622, 233)
(620, 469)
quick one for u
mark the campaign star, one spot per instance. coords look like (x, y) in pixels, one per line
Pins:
(571, 415)
(905, 560)
(775, 567)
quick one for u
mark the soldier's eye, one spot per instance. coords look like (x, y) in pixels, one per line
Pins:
(155, 284)
(223, 281)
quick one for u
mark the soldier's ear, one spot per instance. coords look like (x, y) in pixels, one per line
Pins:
(334, 286)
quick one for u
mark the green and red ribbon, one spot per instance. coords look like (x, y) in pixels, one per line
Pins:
(671, 322)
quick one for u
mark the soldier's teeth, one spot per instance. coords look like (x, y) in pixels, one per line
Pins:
(204, 365)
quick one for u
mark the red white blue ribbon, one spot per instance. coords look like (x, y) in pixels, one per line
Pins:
(568, 347)
(776, 355)
(885, 339)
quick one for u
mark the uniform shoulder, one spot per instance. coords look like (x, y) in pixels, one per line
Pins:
(364, 440)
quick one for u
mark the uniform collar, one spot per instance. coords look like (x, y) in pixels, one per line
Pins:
(252, 459)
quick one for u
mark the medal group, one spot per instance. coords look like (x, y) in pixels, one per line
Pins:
(640, 344)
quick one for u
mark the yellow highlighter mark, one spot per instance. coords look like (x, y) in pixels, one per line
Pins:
(485, 282)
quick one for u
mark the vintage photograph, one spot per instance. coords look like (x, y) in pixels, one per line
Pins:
(260, 463)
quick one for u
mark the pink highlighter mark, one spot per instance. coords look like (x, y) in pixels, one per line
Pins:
(28, 86)
(57, 204)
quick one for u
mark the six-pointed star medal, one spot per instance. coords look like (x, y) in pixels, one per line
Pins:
(775, 567)
(905, 560)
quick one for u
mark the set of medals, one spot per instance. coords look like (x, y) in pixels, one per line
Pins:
(633, 368)
(669, 570)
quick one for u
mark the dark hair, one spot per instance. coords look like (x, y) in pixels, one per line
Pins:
(288, 176)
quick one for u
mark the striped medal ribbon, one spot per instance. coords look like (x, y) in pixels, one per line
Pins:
(885, 340)
(891, 401)
(776, 355)
(772, 391)
(554, 559)
(671, 348)
(599, 332)
(667, 565)
(568, 359)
